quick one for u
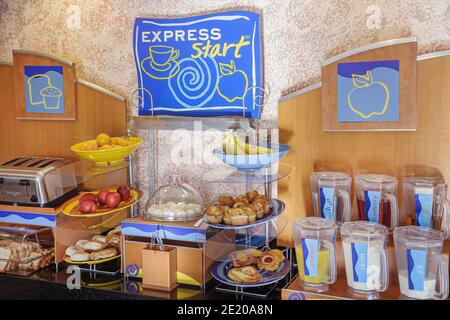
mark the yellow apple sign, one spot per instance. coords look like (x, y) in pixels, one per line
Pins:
(361, 81)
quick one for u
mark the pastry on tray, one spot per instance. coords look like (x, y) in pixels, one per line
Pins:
(247, 274)
(271, 260)
(99, 247)
(244, 263)
(240, 210)
(245, 257)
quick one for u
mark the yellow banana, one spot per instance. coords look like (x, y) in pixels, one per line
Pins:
(232, 145)
(229, 146)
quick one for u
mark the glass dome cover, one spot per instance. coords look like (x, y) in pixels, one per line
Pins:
(175, 201)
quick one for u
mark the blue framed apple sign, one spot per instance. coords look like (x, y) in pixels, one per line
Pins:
(368, 91)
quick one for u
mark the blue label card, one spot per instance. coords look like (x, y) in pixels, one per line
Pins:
(372, 205)
(359, 261)
(44, 89)
(368, 91)
(417, 268)
(310, 249)
(327, 203)
(206, 65)
(424, 206)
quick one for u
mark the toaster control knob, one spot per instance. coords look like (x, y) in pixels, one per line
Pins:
(34, 199)
(24, 182)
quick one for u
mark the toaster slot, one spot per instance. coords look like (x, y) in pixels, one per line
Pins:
(44, 165)
(12, 161)
(20, 163)
(34, 164)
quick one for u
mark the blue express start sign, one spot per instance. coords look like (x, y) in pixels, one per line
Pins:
(203, 66)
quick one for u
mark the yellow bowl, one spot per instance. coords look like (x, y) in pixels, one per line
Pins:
(107, 156)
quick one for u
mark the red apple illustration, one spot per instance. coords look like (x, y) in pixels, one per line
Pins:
(364, 87)
(232, 84)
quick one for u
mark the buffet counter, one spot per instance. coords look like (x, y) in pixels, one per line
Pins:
(49, 284)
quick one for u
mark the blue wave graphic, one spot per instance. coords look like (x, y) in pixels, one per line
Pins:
(349, 68)
(322, 202)
(305, 257)
(410, 269)
(418, 210)
(165, 233)
(28, 218)
(195, 84)
(367, 204)
(355, 261)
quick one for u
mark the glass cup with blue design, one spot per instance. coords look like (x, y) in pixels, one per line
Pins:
(376, 198)
(421, 267)
(331, 196)
(315, 241)
(425, 202)
(365, 257)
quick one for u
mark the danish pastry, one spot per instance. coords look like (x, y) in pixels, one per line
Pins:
(245, 257)
(246, 274)
(271, 260)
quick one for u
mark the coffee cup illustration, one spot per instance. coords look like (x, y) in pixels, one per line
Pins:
(161, 55)
(161, 63)
(51, 96)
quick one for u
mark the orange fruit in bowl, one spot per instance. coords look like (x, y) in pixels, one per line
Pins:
(89, 146)
(103, 139)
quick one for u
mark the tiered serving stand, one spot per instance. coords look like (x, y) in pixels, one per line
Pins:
(258, 235)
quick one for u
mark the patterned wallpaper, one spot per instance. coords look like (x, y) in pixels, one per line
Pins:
(298, 35)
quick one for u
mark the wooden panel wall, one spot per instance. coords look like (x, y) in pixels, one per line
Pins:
(97, 112)
(396, 153)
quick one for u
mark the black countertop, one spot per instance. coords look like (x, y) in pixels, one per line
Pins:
(50, 284)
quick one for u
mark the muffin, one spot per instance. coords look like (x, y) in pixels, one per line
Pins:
(226, 200)
(238, 217)
(227, 217)
(214, 214)
(251, 214)
(251, 195)
(258, 208)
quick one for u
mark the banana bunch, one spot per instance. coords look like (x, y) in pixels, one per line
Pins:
(233, 146)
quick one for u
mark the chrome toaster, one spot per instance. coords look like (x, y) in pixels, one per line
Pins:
(37, 181)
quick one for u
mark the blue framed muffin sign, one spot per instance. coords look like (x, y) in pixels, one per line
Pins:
(44, 89)
(203, 66)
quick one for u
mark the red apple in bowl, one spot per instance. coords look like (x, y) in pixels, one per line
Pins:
(88, 197)
(87, 206)
(113, 200)
(101, 196)
(124, 193)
